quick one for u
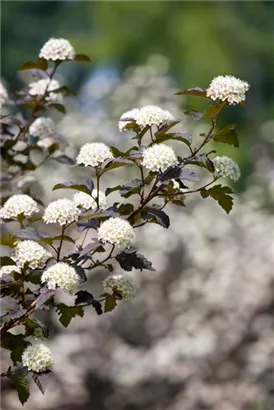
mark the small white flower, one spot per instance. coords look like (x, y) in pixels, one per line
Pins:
(227, 88)
(152, 115)
(94, 154)
(85, 201)
(18, 205)
(124, 285)
(43, 128)
(57, 49)
(116, 231)
(37, 358)
(45, 143)
(62, 211)
(3, 94)
(41, 86)
(8, 269)
(227, 168)
(159, 157)
(129, 114)
(61, 275)
(31, 253)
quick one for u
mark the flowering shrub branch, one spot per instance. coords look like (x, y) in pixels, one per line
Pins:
(37, 265)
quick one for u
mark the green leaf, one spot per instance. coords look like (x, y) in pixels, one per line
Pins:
(64, 89)
(49, 240)
(21, 385)
(110, 190)
(42, 63)
(28, 66)
(58, 107)
(227, 135)
(72, 185)
(125, 209)
(68, 312)
(8, 240)
(221, 195)
(199, 92)
(82, 57)
(5, 260)
(35, 328)
(177, 136)
(110, 302)
(214, 110)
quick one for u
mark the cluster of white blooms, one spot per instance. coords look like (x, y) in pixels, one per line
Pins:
(8, 269)
(85, 201)
(3, 94)
(227, 88)
(132, 114)
(61, 275)
(153, 115)
(17, 205)
(37, 358)
(62, 211)
(159, 157)
(94, 154)
(41, 86)
(31, 253)
(116, 231)
(227, 168)
(57, 49)
(123, 284)
(43, 128)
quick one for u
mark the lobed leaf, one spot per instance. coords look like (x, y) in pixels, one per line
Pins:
(129, 259)
(155, 215)
(72, 185)
(221, 195)
(21, 385)
(227, 135)
(66, 313)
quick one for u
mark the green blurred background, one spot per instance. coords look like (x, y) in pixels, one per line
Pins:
(200, 39)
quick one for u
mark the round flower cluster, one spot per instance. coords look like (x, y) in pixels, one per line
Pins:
(31, 253)
(124, 285)
(159, 157)
(61, 275)
(37, 358)
(132, 114)
(8, 269)
(57, 49)
(152, 115)
(42, 86)
(227, 168)
(62, 211)
(17, 205)
(227, 88)
(85, 201)
(3, 94)
(116, 231)
(94, 154)
(42, 127)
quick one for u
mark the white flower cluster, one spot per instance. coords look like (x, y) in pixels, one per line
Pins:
(8, 269)
(159, 157)
(94, 154)
(85, 201)
(57, 49)
(62, 211)
(3, 94)
(227, 168)
(128, 114)
(43, 128)
(227, 88)
(122, 284)
(61, 275)
(31, 253)
(147, 115)
(37, 358)
(116, 231)
(41, 86)
(17, 205)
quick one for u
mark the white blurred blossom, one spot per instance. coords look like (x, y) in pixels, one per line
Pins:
(61, 275)
(37, 358)
(62, 211)
(85, 201)
(18, 205)
(43, 127)
(159, 157)
(226, 167)
(8, 269)
(94, 154)
(227, 88)
(124, 285)
(48, 85)
(152, 115)
(116, 231)
(3, 94)
(57, 49)
(31, 253)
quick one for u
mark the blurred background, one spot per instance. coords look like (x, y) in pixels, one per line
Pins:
(199, 335)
